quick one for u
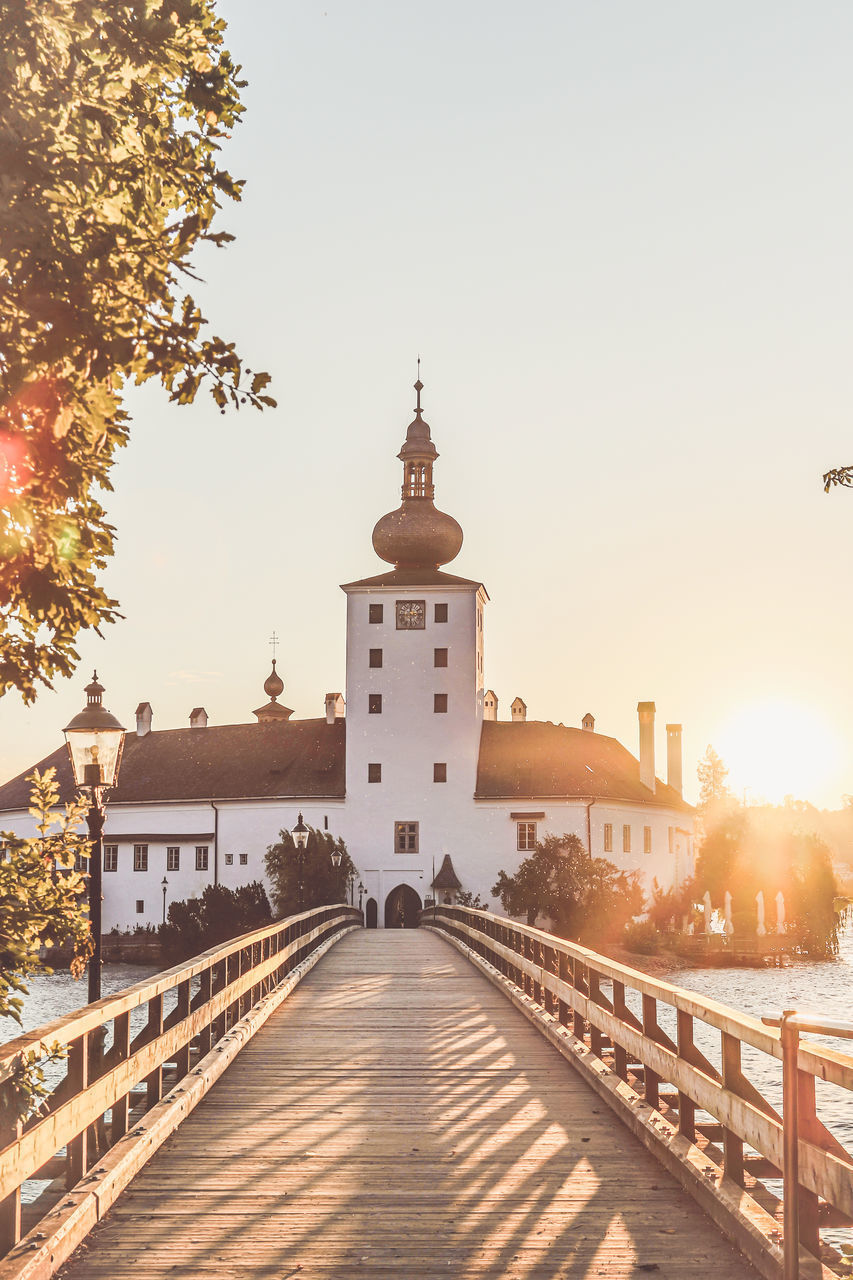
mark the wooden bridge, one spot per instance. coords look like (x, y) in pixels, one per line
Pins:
(395, 1115)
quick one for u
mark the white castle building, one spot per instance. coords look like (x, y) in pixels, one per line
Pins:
(431, 791)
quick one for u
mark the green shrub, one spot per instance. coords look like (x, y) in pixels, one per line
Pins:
(641, 937)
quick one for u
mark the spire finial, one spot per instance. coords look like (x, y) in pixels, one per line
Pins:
(273, 642)
(419, 386)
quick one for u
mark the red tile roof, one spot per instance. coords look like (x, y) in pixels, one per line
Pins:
(533, 759)
(276, 758)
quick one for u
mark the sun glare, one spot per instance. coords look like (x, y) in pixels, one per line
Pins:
(778, 748)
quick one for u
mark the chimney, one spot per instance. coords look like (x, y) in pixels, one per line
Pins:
(519, 710)
(198, 718)
(673, 756)
(490, 705)
(143, 719)
(646, 711)
(334, 707)
(588, 722)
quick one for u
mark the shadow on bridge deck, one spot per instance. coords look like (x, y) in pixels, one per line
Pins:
(398, 1118)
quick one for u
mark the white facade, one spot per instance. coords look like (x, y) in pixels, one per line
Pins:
(414, 729)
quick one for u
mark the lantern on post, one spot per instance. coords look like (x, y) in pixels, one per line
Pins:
(300, 839)
(95, 740)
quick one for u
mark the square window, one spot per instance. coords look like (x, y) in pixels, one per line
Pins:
(647, 839)
(608, 837)
(173, 858)
(406, 837)
(439, 702)
(439, 773)
(111, 857)
(375, 658)
(201, 857)
(229, 859)
(374, 773)
(374, 705)
(375, 612)
(140, 857)
(441, 613)
(244, 859)
(440, 657)
(626, 838)
(81, 864)
(526, 835)
(140, 906)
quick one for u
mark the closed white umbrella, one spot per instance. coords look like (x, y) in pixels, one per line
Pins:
(759, 898)
(729, 926)
(780, 912)
(707, 905)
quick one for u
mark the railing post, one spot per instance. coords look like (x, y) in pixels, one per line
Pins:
(790, 1139)
(620, 1009)
(564, 974)
(732, 1144)
(808, 1214)
(686, 1106)
(121, 1050)
(578, 1021)
(651, 1080)
(182, 1008)
(205, 990)
(154, 1081)
(77, 1150)
(10, 1205)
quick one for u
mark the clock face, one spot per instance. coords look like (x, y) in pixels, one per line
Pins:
(411, 615)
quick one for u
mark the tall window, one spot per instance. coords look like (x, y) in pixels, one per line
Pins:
(647, 839)
(439, 773)
(140, 857)
(626, 838)
(440, 657)
(140, 907)
(244, 859)
(173, 858)
(441, 613)
(374, 773)
(375, 658)
(526, 835)
(608, 837)
(375, 612)
(406, 837)
(201, 857)
(229, 859)
(374, 704)
(111, 857)
(439, 702)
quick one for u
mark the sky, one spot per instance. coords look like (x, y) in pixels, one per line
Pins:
(618, 235)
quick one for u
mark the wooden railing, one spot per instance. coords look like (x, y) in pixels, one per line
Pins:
(659, 1039)
(131, 1053)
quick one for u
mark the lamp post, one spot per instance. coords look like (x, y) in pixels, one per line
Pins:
(300, 839)
(360, 894)
(165, 884)
(95, 740)
(351, 884)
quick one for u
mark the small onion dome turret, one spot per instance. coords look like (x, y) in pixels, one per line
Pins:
(417, 535)
(273, 687)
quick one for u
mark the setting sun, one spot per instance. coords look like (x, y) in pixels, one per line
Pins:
(776, 748)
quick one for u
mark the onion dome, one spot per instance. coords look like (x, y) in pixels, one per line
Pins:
(273, 688)
(417, 535)
(273, 685)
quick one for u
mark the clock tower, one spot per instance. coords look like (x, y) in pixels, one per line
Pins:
(414, 690)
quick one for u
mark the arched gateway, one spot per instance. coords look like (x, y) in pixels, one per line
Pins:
(402, 908)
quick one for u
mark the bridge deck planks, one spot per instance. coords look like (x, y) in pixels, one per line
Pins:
(397, 1117)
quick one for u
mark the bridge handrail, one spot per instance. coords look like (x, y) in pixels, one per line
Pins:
(587, 992)
(71, 1026)
(96, 1091)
